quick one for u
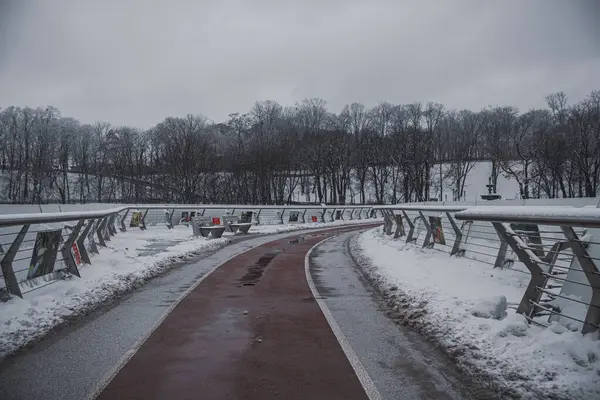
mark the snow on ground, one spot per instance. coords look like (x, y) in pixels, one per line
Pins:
(468, 308)
(129, 260)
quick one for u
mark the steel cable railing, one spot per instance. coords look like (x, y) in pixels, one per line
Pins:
(85, 230)
(555, 248)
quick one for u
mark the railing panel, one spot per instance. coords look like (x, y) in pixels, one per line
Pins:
(531, 241)
(96, 224)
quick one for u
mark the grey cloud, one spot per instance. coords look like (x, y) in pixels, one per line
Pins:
(135, 62)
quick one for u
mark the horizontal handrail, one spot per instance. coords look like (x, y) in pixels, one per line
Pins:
(43, 218)
(250, 206)
(586, 217)
(53, 217)
(430, 208)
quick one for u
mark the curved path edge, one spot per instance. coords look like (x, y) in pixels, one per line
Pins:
(361, 372)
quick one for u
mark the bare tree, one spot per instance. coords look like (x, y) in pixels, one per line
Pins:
(468, 129)
(270, 154)
(187, 155)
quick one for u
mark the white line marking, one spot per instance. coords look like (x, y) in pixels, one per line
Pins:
(359, 369)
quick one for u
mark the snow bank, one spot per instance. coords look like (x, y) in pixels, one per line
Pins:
(127, 262)
(469, 309)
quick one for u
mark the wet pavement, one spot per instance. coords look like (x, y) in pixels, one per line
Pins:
(400, 362)
(251, 330)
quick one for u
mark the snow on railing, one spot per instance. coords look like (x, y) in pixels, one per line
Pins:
(558, 247)
(39, 248)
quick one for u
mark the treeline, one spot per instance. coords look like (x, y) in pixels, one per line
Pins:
(389, 153)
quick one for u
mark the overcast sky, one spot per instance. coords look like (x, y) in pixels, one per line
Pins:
(134, 62)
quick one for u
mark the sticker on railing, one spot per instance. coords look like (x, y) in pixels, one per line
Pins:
(314, 218)
(76, 253)
(294, 216)
(136, 219)
(216, 221)
(437, 230)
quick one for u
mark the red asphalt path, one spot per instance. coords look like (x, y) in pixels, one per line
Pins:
(244, 333)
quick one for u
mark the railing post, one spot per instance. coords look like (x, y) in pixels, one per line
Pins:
(91, 236)
(123, 227)
(427, 242)
(352, 214)
(100, 231)
(387, 222)
(399, 226)
(10, 279)
(342, 214)
(457, 235)
(411, 228)
(81, 242)
(66, 249)
(323, 215)
(501, 256)
(143, 220)
(303, 216)
(590, 270)
(170, 219)
(333, 215)
(532, 295)
(106, 230)
(112, 231)
(281, 216)
(258, 216)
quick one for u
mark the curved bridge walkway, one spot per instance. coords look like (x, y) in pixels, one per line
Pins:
(282, 320)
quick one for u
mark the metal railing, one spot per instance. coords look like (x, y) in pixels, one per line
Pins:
(553, 250)
(71, 236)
